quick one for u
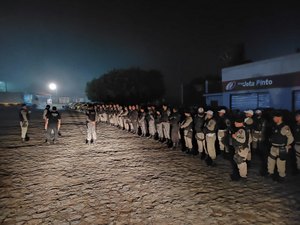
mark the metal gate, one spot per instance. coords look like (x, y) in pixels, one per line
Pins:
(250, 101)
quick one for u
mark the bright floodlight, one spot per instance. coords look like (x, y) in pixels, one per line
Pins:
(52, 86)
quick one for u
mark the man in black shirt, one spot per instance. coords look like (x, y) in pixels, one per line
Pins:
(53, 123)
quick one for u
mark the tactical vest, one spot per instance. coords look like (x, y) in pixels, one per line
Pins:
(222, 123)
(235, 143)
(199, 122)
(189, 127)
(21, 116)
(258, 124)
(207, 130)
(276, 137)
(165, 116)
(297, 134)
(91, 115)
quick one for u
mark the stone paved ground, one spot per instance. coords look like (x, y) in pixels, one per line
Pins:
(125, 179)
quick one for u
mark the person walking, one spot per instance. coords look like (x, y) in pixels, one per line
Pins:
(52, 124)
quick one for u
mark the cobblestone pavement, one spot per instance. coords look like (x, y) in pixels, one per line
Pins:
(124, 179)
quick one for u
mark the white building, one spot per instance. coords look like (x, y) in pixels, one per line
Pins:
(272, 83)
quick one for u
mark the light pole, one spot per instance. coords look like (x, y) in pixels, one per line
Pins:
(53, 87)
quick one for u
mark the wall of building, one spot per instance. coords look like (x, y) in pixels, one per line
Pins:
(280, 65)
(284, 71)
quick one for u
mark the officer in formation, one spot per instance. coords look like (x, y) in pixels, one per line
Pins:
(210, 130)
(24, 122)
(52, 125)
(296, 132)
(240, 141)
(199, 120)
(235, 136)
(281, 140)
(223, 124)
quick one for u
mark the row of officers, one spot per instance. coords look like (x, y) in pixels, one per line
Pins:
(236, 136)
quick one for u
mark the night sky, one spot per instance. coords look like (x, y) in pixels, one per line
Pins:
(72, 42)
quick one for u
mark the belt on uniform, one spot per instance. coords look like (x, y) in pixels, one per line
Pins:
(257, 131)
(278, 145)
(222, 130)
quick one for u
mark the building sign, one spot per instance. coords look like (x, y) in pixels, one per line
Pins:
(275, 81)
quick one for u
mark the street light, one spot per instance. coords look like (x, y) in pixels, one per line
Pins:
(53, 87)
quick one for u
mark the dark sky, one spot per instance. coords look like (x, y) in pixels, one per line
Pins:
(72, 42)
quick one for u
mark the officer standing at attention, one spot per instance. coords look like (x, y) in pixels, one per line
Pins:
(223, 124)
(165, 113)
(24, 122)
(199, 120)
(281, 140)
(91, 118)
(151, 121)
(258, 140)
(248, 122)
(53, 123)
(241, 147)
(174, 119)
(187, 126)
(210, 128)
(297, 138)
(142, 122)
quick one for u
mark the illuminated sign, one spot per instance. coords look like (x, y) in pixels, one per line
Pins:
(275, 81)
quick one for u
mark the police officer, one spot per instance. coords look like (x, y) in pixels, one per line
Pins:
(46, 112)
(187, 126)
(210, 128)
(258, 140)
(223, 124)
(175, 119)
(281, 140)
(91, 119)
(248, 122)
(151, 121)
(142, 122)
(24, 122)
(199, 120)
(240, 143)
(159, 127)
(134, 119)
(297, 138)
(165, 113)
(52, 124)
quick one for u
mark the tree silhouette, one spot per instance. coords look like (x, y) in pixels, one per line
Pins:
(127, 86)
